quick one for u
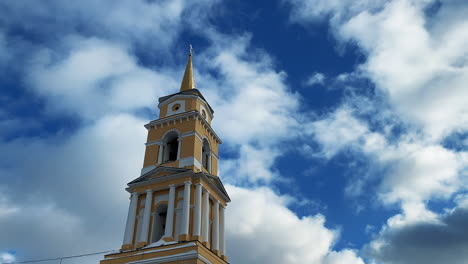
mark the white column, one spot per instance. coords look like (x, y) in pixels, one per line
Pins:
(197, 213)
(215, 245)
(206, 216)
(186, 209)
(160, 153)
(168, 233)
(146, 217)
(209, 163)
(179, 140)
(222, 241)
(130, 226)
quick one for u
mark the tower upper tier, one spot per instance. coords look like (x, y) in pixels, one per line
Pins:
(182, 136)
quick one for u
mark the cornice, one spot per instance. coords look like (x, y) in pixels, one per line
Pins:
(180, 117)
(183, 174)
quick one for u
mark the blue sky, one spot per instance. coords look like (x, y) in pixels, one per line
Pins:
(345, 123)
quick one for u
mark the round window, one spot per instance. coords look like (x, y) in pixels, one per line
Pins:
(175, 107)
(203, 113)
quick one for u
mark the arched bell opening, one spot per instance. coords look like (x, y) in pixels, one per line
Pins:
(206, 155)
(171, 147)
(159, 223)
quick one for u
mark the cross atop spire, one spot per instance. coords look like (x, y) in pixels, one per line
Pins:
(188, 82)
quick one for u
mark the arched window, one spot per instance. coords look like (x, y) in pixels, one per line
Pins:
(159, 223)
(206, 155)
(171, 146)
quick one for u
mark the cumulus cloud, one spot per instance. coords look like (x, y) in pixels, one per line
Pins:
(423, 77)
(77, 185)
(337, 131)
(409, 171)
(7, 257)
(247, 90)
(95, 77)
(141, 21)
(90, 71)
(260, 219)
(416, 57)
(417, 61)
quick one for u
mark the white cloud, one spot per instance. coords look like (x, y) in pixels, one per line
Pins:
(6, 257)
(254, 165)
(89, 82)
(423, 172)
(415, 171)
(316, 78)
(346, 256)
(306, 11)
(423, 77)
(77, 186)
(259, 222)
(416, 55)
(258, 110)
(249, 91)
(418, 61)
(337, 131)
(95, 78)
(146, 22)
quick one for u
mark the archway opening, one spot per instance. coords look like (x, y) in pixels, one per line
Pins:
(206, 155)
(159, 223)
(171, 147)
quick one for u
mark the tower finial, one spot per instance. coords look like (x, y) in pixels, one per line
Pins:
(188, 82)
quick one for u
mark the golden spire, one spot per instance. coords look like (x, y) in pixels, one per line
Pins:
(188, 82)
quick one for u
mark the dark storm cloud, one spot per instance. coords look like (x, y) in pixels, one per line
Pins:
(429, 243)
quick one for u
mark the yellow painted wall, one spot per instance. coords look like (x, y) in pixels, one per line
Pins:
(188, 146)
(151, 155)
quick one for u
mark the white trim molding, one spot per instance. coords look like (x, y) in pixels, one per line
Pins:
(154, 142)
(178, 111)
(184, 116)
(189, 161)
(147, 169)
(188, 134)
(165, 259)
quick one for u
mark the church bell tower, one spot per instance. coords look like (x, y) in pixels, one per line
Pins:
(177, 205)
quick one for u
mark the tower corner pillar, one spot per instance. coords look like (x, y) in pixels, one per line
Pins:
(130, 225)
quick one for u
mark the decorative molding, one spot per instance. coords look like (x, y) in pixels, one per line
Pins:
(186, 96)
(177, 257)
(202, 108)
(188, 134)
(147, 169)
(154, 142)
(183, 174)
(189, 114)
(170, 131)
(182, 96)
(170, 105)
(190, 244)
